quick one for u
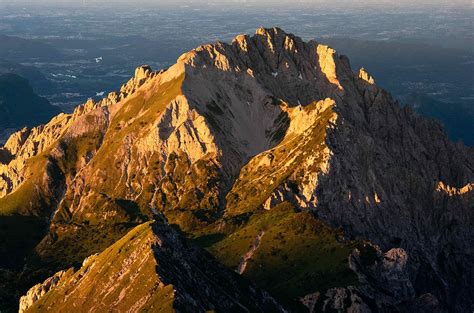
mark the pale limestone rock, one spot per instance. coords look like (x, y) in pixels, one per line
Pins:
(453, 191)
(389, 271)
(16, 140)
(180, 128)
(344, 300)
(366, 76)
(277, 197)
(249, 254)
(327, 64)
(377, 198)
(241, 40)
(384, 283)
(266, 160)
(26, 143)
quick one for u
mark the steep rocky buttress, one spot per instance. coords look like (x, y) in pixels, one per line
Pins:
(272, 154)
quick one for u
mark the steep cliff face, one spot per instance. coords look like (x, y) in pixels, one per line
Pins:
(264, 151)
(388, 169)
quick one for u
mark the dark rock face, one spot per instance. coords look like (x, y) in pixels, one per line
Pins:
(404, 184)
(201, 283)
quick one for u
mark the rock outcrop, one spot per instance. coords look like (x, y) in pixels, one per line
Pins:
(383, 285)
(384, 278)
(28, 143)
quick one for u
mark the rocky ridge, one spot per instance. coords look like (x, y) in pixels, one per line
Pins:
(235, 131)
(28, 143)
(150, 268)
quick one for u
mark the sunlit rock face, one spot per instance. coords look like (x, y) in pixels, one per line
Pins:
(151, 268)
(366, 76)
(233, 134)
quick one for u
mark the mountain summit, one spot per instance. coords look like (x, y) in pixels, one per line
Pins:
(270, 153)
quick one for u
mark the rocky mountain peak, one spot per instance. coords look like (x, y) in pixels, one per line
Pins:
(270, 138)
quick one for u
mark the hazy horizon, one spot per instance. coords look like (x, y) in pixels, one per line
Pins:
(323, 3)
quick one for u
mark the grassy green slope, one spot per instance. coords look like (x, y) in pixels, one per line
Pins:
(297, 255)
(106, 277)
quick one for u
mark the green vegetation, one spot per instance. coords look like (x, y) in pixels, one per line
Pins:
(101, 215)
(46, 172)
(76, 244)
(132, 120)
(207, 241)
(186, 187)
(297, 255)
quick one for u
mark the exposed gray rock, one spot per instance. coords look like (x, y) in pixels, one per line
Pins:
(344, 300)
(384, 279)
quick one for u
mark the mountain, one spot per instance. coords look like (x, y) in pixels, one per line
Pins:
(21, 49)
(18, 101)
(38, 81)
(437, 81)
(270, 153)
(435, 68)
